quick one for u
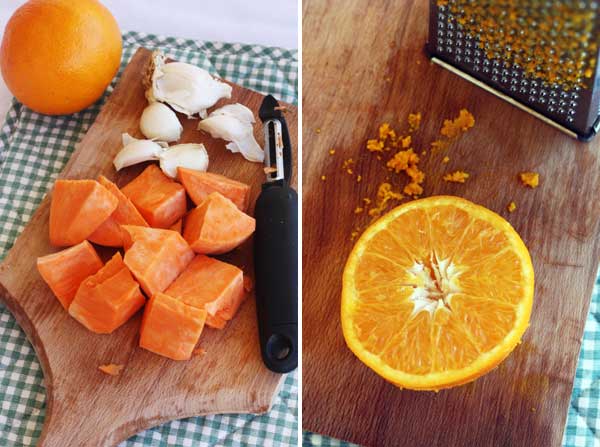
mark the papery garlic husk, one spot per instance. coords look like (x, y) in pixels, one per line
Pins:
(136, 151)
(185, 87)
(159, 122)
(237, 110)
(232, 123)
(189, 155)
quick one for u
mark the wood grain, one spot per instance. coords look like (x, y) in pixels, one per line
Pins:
(85, 406)
(349, 49)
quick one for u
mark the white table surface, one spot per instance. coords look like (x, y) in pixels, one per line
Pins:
(265, 22)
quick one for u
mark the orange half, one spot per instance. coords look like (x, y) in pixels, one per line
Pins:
(436, 293)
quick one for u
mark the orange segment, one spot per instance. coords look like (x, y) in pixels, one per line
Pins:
(160, 200)
(78, 208)
(110, 233)
(451, 347)
(486, 320)
(64, 271)
(170, 327)
(436, 293)
(107, 299)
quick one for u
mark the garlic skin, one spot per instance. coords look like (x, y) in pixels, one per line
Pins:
(136, 151)
(189, 155)
(185, 87)
(237, 110)
(159, 122)
(233, 123)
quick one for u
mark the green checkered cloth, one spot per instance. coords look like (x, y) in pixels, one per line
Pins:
(33, 150)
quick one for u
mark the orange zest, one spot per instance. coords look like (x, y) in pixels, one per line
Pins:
(531, 179)
(456, 177)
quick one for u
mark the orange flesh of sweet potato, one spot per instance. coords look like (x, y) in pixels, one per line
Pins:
(64, 271)
(160, 200)
(177, 226)
(111, 369)
(210, 284)
(107, 299)
(199, 185)
(156, 257)
(217, 226)
(78, 208)
(215, 322)
(110, 233)
(170, 327)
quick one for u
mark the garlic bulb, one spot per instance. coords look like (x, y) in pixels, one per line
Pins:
(185, 87)
(234, 123)
(159, 122)
(137, 151)
(191, 156)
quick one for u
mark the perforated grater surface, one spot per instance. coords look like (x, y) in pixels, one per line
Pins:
(538, 55)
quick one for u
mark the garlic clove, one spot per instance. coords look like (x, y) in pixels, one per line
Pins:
(136, 151)
(237, 110)
(239, 133)
(159, 122)
(232, 147)
(189, 155)
(185, 87)
(248, 147)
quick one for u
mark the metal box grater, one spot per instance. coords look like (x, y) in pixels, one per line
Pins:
(538, 55)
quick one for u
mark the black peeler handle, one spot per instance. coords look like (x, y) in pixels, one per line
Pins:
(276, 271)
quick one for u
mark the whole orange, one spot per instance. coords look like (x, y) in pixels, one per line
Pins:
(58, 56)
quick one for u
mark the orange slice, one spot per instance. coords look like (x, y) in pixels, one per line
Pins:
(436, 293)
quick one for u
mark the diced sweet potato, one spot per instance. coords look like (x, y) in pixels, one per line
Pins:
(110, 233)
(199, 185)
(217, 226)
(111, 369)
(160, 200)
(170, 327)
(156, 257)
(215, 321)
(65, 271)
(213, 285)
(78, 208)
(177, 226)
(108, 299)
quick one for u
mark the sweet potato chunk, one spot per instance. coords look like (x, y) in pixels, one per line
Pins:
(170, 327)
(217, 226)
(160, 200)
(78, 208)
(156, 257)
(213, 285)
(108, 299)
(177, 226)
(64, 271)
(199, 185)
(110, 233)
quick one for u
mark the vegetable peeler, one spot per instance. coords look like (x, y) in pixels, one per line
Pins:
(540, 56)
(276, 247)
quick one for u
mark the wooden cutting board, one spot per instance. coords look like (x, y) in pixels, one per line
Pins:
(363, 64)
(85, 406)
